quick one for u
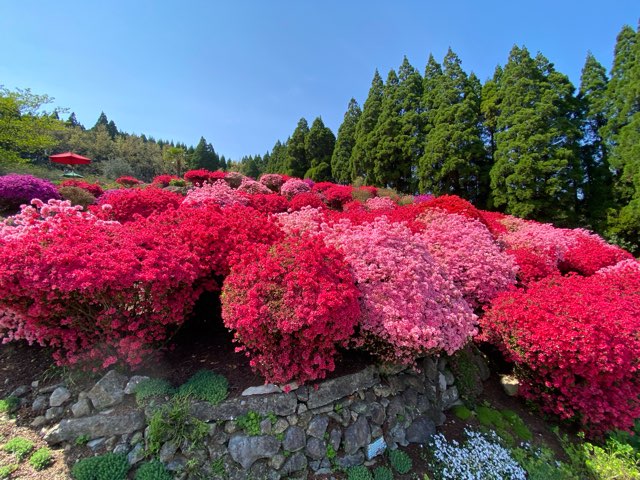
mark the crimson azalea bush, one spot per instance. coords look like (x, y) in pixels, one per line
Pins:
(575, 342)
(127, 181)
(16, 190)
(163, 180)
(290, 305)
(466, 250)
(201, 176)
(217, 193)
(94, 291)
(125, 204)
(409, 306)
(93, 188)
(269, 203)
(308, 199)
(293, 187)
(587, 253)
(337, 195)
(454, 204)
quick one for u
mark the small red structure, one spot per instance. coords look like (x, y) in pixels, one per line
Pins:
(69, 158)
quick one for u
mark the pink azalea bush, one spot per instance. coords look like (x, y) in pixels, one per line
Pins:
(293, 187)
(465, 248)
(252, 187)
(217, 193)
(273, 181)
(380, 203)
(409, 306)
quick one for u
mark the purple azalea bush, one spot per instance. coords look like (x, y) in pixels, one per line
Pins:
(16, 190)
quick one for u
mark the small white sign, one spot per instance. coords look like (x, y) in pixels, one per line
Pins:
(376, 447)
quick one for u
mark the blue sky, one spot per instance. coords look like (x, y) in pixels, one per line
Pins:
(242, 73)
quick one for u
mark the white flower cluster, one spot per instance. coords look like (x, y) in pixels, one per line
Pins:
(480, 458)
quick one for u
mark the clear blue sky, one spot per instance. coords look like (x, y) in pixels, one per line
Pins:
(242, 73)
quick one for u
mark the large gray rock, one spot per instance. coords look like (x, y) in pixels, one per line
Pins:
(95, 427)
(40, 404)
(318, 426)
(109, 390)
(20, 391)
(377, 413)
(246, 450)
(54, 413)
(294, 439)
(267, 389)
(332, 390)
(133, 383)
(81, 408)
(352, 460)
(316, 448)
(450, 397)
(421, 430)
(167, 451)
(282, 404)
(356, 436)
(296, 463)
(59, 396)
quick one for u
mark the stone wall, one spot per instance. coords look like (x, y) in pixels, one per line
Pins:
(343, 422)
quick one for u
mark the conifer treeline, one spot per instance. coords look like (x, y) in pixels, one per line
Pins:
(525, 142)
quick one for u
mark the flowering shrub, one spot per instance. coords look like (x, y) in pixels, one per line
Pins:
(305, 220)
(77, 196)
(380, 203)
(454, 204)
(493, 221)
(575, 342)
(218, 193)
(251, 187)
(337, 195)
(308, 199)
(587, 253)
(269, 203)
(93, 291)
(293, 187)
(201, 176)
(409, 307)
(127, 203)
(93, 188)
(532, 266)
(163, 181)
(480, 457)
(234, 179)
(273, 181)
(425, 197)
(127, 181)
(466, 250)
(16, 190)
(290, 306)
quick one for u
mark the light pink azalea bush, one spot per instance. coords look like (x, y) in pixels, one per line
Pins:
(305, 220)
(380, 203)
(217, 193)
(294, 186)
(409, 306)
(465, 248)
(252, 187)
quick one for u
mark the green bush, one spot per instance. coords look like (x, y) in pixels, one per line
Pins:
(206, 385)
(7, 470)
(613, 460)
(359, 473)
(41, 458)
(541, 464)
(19, 446)
(153, 470)
(9, 404)
(110, 466)
(382, 473)
(77, 196)
(152, 388)
(178, 182)
(173, 422)
(400, 461)
(250, 423)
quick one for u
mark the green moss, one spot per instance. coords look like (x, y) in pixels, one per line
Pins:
(19, 446)
(7, 470)
(359, 473)
(111, 466)
(152, 388)
(462, 412)
(41, 459)
(517, 425)
(9, 404)
(153, 470)
(382, 473)
(467, 373)
(206, 385)
(490, 417)
(400, 461)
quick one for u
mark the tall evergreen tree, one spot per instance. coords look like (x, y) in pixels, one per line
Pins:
(430, 82)
(454, 156)
(536, 167)
(72, 121)
(362, 155)
(112, 129)
(277, 159)
(410, 91)
(204, 156)
(391, 145)
(297, 162)
(319, 145)
(622, 135)
(490, 110)
(596, 185)
(102, 120)
(340, 170)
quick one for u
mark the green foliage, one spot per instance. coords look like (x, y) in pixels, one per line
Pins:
(177, 182)
(77, 196)
(382, 473)
(218, 469)
(359, 473)
(250, 422)
(19, 446)
(9, 404)
(205, 385)
(517, 425)
(152, 388)
(541, 464)
(612, 460)
(296, 160)
(340, 167)
(82, 440)
(362, 161)
(41, 459)
(462, 412)
(204, 156)
(319, 144)
(110, 466)
(7, 470)
(490, 417)
(467, 373)
(400, 461)
(173, 422)
(153, 470)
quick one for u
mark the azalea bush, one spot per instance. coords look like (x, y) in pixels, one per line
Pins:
(77, 196)
(290, 306)
(163, 180)
(93, 188)
(217, 193)
(126, 204)
(128, 181)
(575, 343)
(273, 181)
(294, 186)
(251, 187)
(269, 203)
(16, 190)
(587, 253)
(308, 199)
(202, 176)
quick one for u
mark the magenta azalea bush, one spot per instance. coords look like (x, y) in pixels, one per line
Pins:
(294, 186)
(16, 190)
(217, 193)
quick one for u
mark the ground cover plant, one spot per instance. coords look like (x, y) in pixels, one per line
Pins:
(305, 269)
